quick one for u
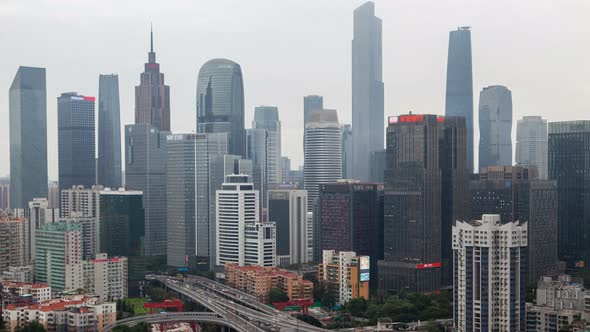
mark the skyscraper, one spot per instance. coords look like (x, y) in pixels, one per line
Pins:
(28, 136)
(568, 164)
(288, 210)
(347, 157)
(267, 118)
(76, 140)
(109, 132)
(14, 241)
(490, 271)
(459, 94)
(495, 126)
(145, 160)
(257, 148)
(531, 145)
(152, 96)
(367, 89)
(180, 186)
(322, 153)
(378, 163)
(312, 103)
(220, 102)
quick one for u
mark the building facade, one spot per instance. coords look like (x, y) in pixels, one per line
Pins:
(490, 272)
(38, 214)
(378, 165)
(27, 98)
(346, 151)
(346, 273)
(13, 241)
(532, 144)
(109, 132)
(311, 103)
(267, 118)
(495, 126)
(106, 277)
(288, 210)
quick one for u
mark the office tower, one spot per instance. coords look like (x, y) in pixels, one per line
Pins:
(531, 145)
(257, 141)
(53, 195)
(267, 118)
(4, 196)
(459, 94)
(350, 218)
(106, 277)
(13, 241)
(285, 169)
(346, 273)
(288, 210)
(377, 164)
(38, 214)
(145, 159)
(510, 192)
(495, 126)
(311, 103)
(347, 158)
(122, 231)
(420, 150)
(58, 256)
(310, 240)
(220, 102)
(322, 154)
(180, 186)
(568, 164)
(80, 201)
(241, 237)
(75, 139)
(208, 146)
(27, 100)
(152, 96)
(109, 132)
(490, 273)
(367, 89)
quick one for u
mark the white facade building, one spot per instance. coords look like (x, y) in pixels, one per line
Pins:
(490, 275)
(106, 277)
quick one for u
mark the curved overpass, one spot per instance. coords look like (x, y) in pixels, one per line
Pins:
(170, 317)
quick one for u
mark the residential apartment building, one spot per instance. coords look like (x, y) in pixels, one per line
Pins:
(13, 241)
(347, 273)
(106, 277)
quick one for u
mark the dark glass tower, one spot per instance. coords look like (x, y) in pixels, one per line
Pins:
(568, 164)
(220, 102)
(28, 136)
(109, 132)
(145, 160)
(459, 95)
(495, 126)
(76, 143)
(367, 89)
(152, 96)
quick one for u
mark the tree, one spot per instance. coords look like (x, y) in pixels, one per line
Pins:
(276, 295)
(357, 307)
(311, 276)
(157, 294)
(32, 326)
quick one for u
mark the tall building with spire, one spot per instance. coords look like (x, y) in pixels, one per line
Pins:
(152, 96)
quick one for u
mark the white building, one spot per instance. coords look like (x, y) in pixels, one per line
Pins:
(40, 213)
(106, 277)
(241, 238)
(85, 201)
(532, 145)
(19, 273)
(346, 272)
(490, 275)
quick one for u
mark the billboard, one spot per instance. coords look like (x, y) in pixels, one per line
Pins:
(428, 265)
(364, 263)
(364, 276)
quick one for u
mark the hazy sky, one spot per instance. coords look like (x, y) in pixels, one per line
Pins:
(540, 49)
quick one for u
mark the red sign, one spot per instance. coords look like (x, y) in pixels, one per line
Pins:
(115, 259)
(428, 265)
(92, 99)
(440, 118)
(411, 118)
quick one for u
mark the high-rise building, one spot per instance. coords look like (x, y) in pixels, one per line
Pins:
(180, 186)
(58, 257)
(28, 136)
(490, 275)
(510, 192)
(152, 96)
(241, 237)
(322, 153)
(75, 139)
(38, 214)
(220, 102)
(288, 210)
(145, 160)
(377, 163)
(4, 196)
(267, 118)
(257, 141)
(459, 94)
(53, 195)
(568, 164)
(532, 144)
(13, 241)
(419, 204)
(367, 89)
(106, 277)
(349, 217)
(347, 273)
(311, 103)
(495, 126)
(78, 201)
(122, 231)
(285, 169)
(347, 158)
(109, 132)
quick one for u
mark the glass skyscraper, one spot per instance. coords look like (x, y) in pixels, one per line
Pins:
(220, 102)
(367, 90)
(312, 103)
(267, 118)
(76, 143)
(109, 132)
(28, 136)
(459, 95)
(495, 126)
(531, 145)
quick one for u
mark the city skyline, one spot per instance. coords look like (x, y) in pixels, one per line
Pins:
(409, 59)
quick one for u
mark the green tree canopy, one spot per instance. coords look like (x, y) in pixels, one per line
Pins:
(33, 326)
(276, 295)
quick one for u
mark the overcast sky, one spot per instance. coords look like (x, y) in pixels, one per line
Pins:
(539, 49)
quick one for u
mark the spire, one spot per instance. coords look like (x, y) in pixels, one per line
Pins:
(151, 54)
